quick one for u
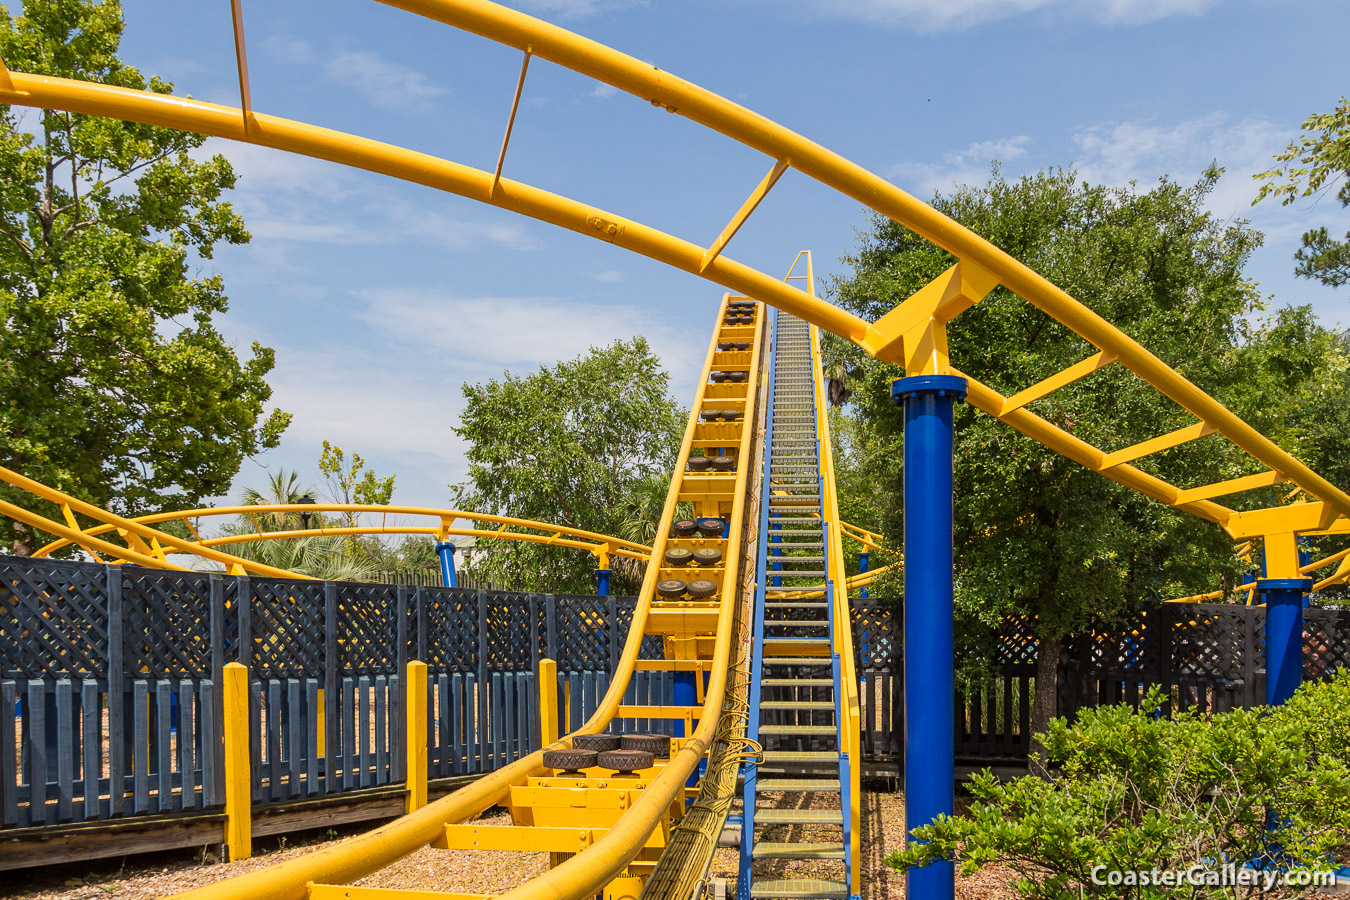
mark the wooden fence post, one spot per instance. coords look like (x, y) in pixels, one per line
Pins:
(415, 714)
(238, 777)
(548, 702)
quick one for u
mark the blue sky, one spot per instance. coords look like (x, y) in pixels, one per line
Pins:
(382, 298)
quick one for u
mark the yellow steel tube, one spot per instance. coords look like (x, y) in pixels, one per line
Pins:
(238, 777)
(421, 168)
(442, 515)
(677, 95)
(415, 712)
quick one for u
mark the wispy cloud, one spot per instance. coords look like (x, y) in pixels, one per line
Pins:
(966, 166)
(573, 9)
(388, 85)
(609, 276)
(935, 15)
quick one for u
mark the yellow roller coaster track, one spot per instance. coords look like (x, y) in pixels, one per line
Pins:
(912, 335)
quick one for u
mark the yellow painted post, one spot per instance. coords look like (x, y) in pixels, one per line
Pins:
(321, 728)
(415, 713)
(548, 702)
(238, 778)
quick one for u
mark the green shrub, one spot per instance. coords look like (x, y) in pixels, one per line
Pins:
(1137, 790)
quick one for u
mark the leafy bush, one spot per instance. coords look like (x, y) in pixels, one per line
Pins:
(1138, 790)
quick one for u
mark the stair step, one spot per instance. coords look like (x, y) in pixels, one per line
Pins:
(799, 850)
(798, 889)
(796, 605)
(814, 757)
(797, 785)
(796, 704)
(795, 559)
(798, 816)
(796, 682)
(795, 640)
(798, 729)
(796, 660)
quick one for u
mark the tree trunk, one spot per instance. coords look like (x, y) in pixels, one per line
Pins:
(1043, 703)
(22, 544)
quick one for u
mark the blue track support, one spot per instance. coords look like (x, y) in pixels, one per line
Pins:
(446, 551)
(1284, 599)
(930, 746)
(602, 581)
(864, 565)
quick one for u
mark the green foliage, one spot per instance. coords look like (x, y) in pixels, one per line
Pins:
(1135, 790)
(116, 385)
(577, 444)
(353, 483)
(1309, 166)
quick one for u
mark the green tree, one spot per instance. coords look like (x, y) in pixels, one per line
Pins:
(1135, 791)
(1036, 534)
(1312, 165)
(570, 444)
(115, 385)
(353, 482)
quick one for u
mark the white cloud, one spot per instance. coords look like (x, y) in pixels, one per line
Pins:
(933, 15)
(386, 84)
(968, 166)
(604, 91)
(485, 335)
(609, 276)
(573, 9)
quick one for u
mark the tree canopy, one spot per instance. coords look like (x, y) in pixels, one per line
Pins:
(1039, 535)
(1309, 166)
(117, 387)
(578, 444)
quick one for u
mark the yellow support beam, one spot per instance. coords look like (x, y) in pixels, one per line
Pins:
(548, 702)
(1061, 379)
(748, 207)
(415, 712)
(1157, 444)
(524, 838)
(1232, 486)
(346, 892)
(238, 772)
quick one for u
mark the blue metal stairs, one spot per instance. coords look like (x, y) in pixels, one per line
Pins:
(795, 799)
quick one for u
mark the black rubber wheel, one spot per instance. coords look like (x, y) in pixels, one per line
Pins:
(702, 589)
(710, 527)
(657, 745)
(731, 415)
(737, 377)
(707, 556)
(699, 463)
(709, 415)
(719, 377)
(671, 588)
(727, 345)
(626, 760)
(596, 743)
(722, 463)
(741, 345)
(679, 556)
(569, 760)
(742, 304)
(685, 527)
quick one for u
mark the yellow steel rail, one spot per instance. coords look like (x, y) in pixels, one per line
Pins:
(599, 545)
(585, 873)
(912, 334)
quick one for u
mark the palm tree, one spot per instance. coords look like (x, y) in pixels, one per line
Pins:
(638, 515)
(327, 558)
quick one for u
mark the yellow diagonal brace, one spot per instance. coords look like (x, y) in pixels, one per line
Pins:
(1232, 486)
(756, 196)
(1055, 382)
(1157, 444)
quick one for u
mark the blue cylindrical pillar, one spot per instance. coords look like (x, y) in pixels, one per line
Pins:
(1284, 635)
(864, 566)
(446, 551)
(602, 581)
(930, 746)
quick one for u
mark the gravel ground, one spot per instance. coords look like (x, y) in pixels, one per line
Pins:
(155, 875)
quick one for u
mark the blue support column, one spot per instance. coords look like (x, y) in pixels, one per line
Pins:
(446, 551)
(1284, 598)
(864, 566)
(930, 746)
(602, 581)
